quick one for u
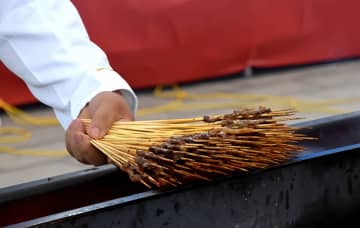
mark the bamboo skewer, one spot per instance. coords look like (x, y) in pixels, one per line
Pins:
(172, 152)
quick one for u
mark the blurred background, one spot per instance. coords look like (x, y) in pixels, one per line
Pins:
(187, 58)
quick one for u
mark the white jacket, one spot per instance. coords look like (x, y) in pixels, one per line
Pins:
(45, 43)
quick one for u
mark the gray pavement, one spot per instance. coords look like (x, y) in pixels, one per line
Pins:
(314, 91)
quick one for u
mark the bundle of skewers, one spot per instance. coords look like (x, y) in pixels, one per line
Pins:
(172, 152)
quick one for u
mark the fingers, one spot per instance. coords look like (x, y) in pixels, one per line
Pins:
(79, 146)
(103, 110)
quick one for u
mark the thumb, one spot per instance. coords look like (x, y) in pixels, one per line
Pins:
(101, 122)
(106, 108)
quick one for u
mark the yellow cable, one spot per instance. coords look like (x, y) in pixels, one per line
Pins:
(20, 117)
(16, 135)
(33, 152)
(179, 100)
(196, 101)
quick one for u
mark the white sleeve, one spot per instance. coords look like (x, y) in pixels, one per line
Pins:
(45, 43)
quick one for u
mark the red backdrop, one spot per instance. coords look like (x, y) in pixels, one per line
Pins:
(153, 42)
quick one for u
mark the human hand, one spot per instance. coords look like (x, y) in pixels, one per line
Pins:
(104, 109)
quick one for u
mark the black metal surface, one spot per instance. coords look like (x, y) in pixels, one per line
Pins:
(54, 183)
(321, 187)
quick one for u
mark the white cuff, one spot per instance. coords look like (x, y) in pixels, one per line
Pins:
(101, 80)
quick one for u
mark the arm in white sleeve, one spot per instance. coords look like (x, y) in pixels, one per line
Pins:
(45, 43)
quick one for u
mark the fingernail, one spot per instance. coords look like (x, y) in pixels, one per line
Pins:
(94, 132)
